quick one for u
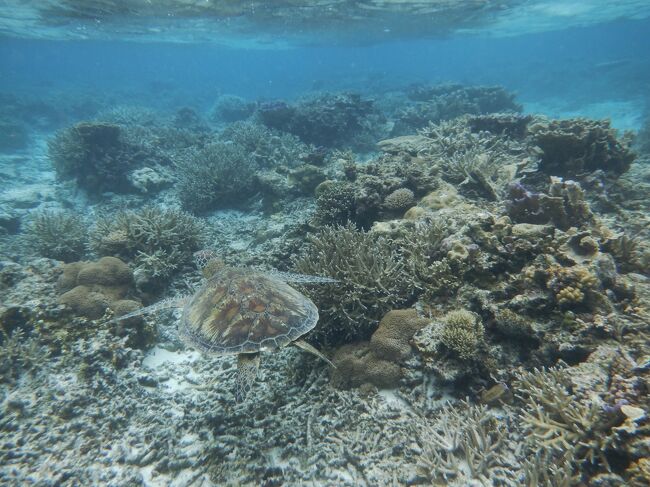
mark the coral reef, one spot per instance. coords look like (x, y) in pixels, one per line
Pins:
(574, 147)
(232, 108)
(564, 205)
(378, 362)
(219, 176)
(95, 155)
(372, 280)
(58, 235)
(437, 103)
(330, 120)
(158, 241)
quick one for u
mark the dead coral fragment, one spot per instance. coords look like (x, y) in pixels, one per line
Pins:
(465, 444)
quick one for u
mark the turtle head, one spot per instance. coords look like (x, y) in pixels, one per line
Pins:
(208, 262)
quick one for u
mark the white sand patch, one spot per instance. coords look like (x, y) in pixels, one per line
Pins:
(159, 356)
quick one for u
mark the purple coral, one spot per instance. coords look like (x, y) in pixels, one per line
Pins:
(524, 206)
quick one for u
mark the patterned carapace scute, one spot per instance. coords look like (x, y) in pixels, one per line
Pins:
(244, 311)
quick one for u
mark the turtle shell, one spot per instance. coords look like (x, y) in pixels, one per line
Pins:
(244, 311)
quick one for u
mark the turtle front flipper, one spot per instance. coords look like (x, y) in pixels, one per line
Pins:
(313, 350)
(247, 366)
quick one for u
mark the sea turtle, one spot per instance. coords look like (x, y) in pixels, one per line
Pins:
(243, 311)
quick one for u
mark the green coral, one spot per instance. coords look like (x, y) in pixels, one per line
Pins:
(220, 175)
(372, 280)
(58, 235)
(159, 241)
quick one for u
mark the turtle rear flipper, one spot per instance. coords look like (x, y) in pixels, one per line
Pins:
(247, 366)
(175, 302)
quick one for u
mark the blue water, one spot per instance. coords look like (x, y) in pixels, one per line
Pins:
(579, 66)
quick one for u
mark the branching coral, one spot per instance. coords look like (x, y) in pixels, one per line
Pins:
(466, 443)
(400, 199)
(267, 148)
(572, 285)
(561, 424)
(95, 154)
(220, 175)
(481, 162)
(158, 240)
(462, 333)
(58, 235)
(372, 280)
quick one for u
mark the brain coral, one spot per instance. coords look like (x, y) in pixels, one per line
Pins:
(378, 362)
(91, 287)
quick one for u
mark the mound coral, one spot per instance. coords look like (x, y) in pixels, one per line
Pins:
(220, 175)
(89, 289)
(378, 362)
(58, 235)
(372, 280)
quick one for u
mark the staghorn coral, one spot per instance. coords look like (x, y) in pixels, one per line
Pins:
(267, 148)
(335, 203)
(482, 163)
(372, 280)
(58, 235)
(562, 425)
(221, 175)
(465, 444)
(159, 241)
(575, 147)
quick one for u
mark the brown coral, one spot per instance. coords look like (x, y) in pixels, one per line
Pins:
(91, 287)
(378, 362)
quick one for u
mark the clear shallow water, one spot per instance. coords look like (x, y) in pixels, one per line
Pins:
(569, 69)
(515, 243)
